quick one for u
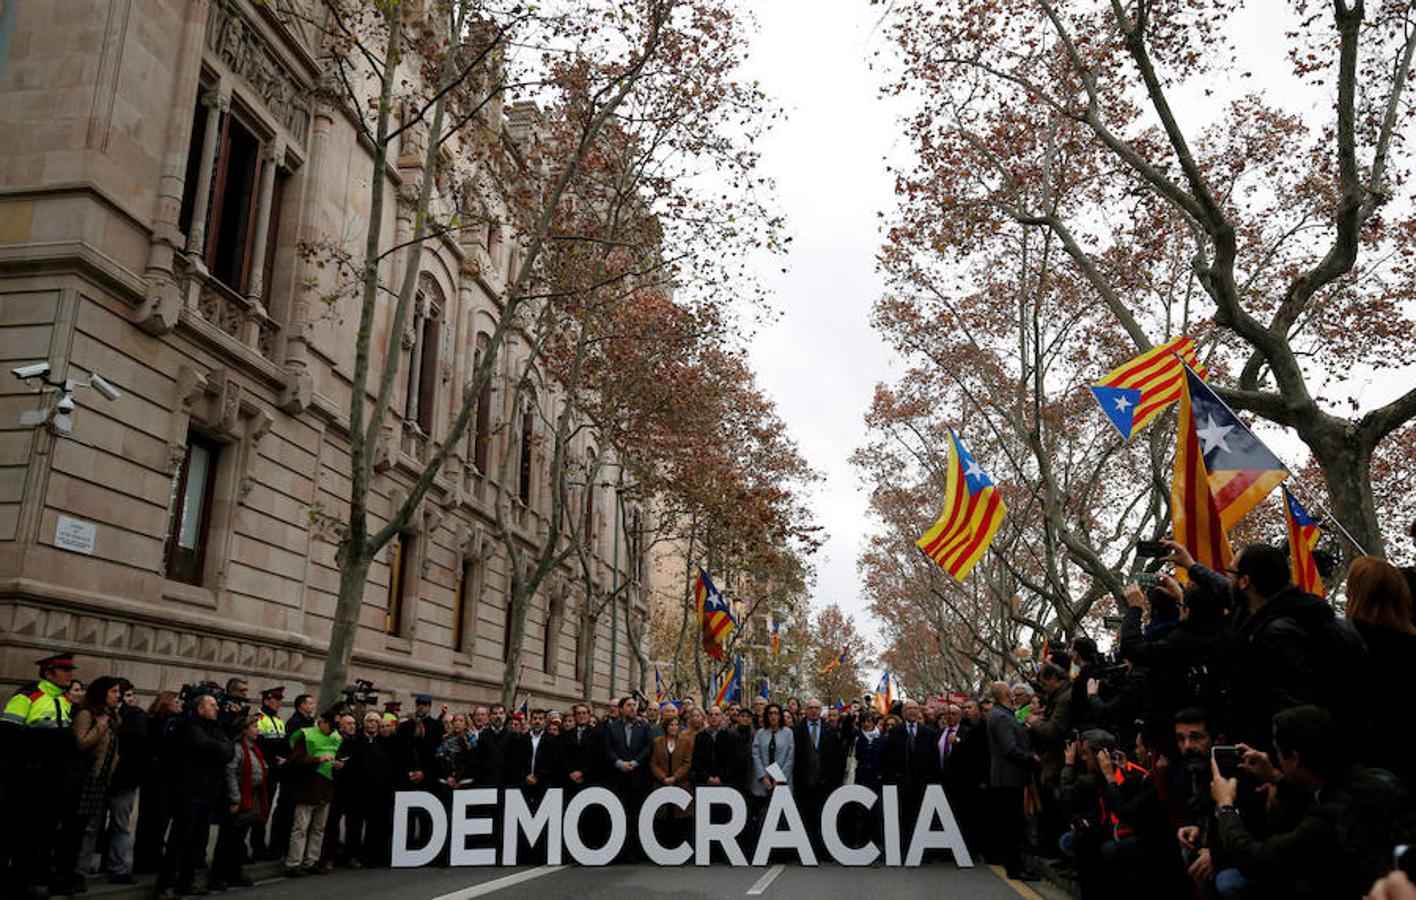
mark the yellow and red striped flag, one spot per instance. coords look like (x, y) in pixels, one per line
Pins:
(1135, 392)
(1242, 471)
(1303, 534)
(973, 510)
(1198, 526)
(714, 615)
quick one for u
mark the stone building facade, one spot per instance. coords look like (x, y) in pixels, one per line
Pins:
(162, 159)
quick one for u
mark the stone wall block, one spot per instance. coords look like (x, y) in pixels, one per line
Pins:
(56, 626)
(142, 638)
(165, 642)
(88, 631)
(230, 651)
(26, 621)
(116, 635)
(246, 656)
(280, 660)
(208, 649)
(187, 645)
(265, 658)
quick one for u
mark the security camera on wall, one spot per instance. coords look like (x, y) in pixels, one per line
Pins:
(98, 383)
(33, 370)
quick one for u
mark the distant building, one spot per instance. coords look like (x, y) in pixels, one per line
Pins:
(160, 162)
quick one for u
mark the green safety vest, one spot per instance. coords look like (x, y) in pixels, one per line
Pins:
(44, 706)
(317, 744)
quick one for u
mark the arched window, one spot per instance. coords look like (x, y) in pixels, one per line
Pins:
(423, 356)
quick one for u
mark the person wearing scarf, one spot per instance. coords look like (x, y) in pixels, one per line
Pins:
(247, 805)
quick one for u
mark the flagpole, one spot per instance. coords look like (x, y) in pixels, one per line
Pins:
(1327, 513)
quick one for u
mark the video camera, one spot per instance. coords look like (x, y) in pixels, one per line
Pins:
(361, 693)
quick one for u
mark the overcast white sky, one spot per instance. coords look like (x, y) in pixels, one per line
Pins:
(821, 361)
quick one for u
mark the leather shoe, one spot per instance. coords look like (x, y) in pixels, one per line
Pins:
(122, 878)
(1024, 875)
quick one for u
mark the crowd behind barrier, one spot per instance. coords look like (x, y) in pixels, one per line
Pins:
(1242, 740)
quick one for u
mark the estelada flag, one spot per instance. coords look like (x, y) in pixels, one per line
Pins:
(1135, 392)
(659, 695)
(884, 694)
(1198, 526)
(1303, 534)
(973, 510)
(731, 686)
(776, 636)
(835, 661)
(714, 616)
(1242, 471)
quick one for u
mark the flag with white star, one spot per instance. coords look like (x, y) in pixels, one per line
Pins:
(1242, 471)
(1138, 390)
(973, 511)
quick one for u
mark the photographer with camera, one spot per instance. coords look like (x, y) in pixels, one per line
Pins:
(1181, 648)
(194, 757)
(1349, 818)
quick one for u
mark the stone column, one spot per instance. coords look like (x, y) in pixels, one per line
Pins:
(217, 101)
(274, 153)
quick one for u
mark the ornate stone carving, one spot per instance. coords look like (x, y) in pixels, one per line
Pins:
(238, 44)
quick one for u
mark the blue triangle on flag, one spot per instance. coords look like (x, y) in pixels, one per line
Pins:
(1119, 404)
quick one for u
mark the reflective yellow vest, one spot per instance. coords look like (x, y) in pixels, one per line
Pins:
(45, 705)
(269, 725)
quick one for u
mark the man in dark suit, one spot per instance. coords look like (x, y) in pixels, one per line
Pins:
(533, 758)
(965, 774)
(627, 748)
(1010, 768)
(820, 764)
(717, 753)
(911, 755)
(492, 748)
(581, 753)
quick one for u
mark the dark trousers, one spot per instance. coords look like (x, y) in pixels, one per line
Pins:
(186, 845)
(1009, 826)
(349, 813)
(378, 829)
(282, 817)
(66, 850)
(148, 837)
(230, 852)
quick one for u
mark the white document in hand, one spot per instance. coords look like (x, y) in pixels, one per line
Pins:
(775, 773)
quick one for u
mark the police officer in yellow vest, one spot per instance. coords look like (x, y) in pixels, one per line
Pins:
(36, 785)
(276, 749)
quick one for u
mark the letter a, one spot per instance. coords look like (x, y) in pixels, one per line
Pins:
(926, 838)
(793, 837)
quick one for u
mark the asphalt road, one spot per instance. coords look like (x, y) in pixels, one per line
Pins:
(643, 882)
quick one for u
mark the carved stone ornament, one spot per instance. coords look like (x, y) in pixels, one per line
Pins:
(216, 403)
(238, 44)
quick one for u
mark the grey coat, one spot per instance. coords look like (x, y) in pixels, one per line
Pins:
(1009, 753)
(760, 759)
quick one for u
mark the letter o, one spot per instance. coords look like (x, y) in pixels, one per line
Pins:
(601, 856)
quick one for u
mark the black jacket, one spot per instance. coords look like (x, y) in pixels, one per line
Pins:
(632, 743)
(581, 751)
(823, 766)
(493, 751)
(718, 754)
(134, 750)
(546, 765)
(913, 764)
(1293, 651)
(1181, 667)
(1392, 735)
(195, 754)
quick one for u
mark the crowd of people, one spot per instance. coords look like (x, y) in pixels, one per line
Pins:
(1242, 740)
